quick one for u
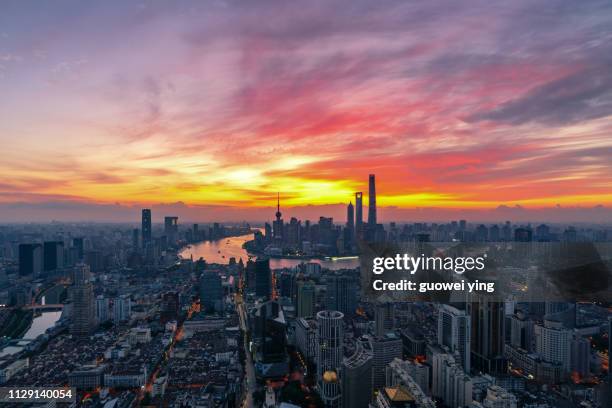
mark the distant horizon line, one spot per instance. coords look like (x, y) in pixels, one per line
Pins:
(87, 212)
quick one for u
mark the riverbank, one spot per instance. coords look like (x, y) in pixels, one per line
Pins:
(248, 247)
(221, 251)
(17, 324)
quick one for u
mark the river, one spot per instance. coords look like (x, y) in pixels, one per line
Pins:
(39, 325)
(222, 250)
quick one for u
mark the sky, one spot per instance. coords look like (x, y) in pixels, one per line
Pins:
(211, 108)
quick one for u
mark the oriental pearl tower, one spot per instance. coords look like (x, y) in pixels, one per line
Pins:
(277, 226)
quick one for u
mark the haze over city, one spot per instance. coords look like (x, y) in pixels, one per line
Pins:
(207, 110)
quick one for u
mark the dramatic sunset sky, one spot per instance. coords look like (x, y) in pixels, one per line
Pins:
(217, 105)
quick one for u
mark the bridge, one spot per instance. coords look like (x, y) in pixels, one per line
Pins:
(52, 306)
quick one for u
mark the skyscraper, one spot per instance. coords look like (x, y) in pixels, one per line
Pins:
(385, 349)
(350, 216)
(135, 239)
(454, 332)
(305, 299)
(171, 229)
(357, 376)
(580, 355)
(384, 317)
(53, 255)
(521, 331)
(341, 293)
(487, 318)
(350, 226)
(211, 291)
(359, 214)
(330, 337)
(263, 278)
(269, 339)
(30, 259)
(83, 317)
(146, 227)
(122, 308)
(372, 204)
(80, 247)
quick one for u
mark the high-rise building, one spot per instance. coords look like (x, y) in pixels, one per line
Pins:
(30, 259)
(359, 215)
(494, 233)
(449, 381)
(384, 317)
(487, 317)
(122, 309)
(330, 338)
(135, 239)
(523, 235)
(78, 243)
(357, 376)
(372, 221)
(350, 226)
(286, 281)
(81, 273)
(454, 330)
(211, 291)
(263, 278)
(102, 309)
(350, 216)
(553, 343)
(53, 257)
(305, 299)
(269, 341)
(580, 356)
(83, 319)
(341, 293)
(171, 229)
(195, 232)
(385, 349)
(146, 227)
(170, 306)
(521, 331)
(306, 338)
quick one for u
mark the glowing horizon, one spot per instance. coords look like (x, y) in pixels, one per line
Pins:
(227, 104)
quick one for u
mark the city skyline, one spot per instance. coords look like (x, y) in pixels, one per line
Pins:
(213, 112)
